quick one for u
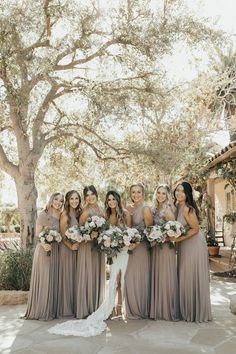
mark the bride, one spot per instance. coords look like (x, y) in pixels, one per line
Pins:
(94, 324)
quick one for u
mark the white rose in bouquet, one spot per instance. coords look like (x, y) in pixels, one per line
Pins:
(49, 238)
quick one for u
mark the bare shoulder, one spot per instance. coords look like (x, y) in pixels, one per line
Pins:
(147, 209)
(186, 210)
(169, 214)
(63, 215)
(129, 209)
(84, 212)
(126, 211)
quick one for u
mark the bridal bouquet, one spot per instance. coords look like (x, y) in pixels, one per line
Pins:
(110, 242)
(131, 236)
(174, 229)
(74, 234)
(155, 233)
(49, 236)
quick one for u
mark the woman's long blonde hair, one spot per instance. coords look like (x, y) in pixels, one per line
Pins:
(168, 202)
(49, 203)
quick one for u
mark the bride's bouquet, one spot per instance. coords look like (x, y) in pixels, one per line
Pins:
(48, 236)
(110, 242)
(155, 233)
(131, 236)
(74, 235)
(174, 229)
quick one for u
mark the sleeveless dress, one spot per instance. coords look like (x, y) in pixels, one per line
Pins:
(164, 282)
(193, 269)
(137, 277)
(66, 283)
(42, 301)
(90, 276)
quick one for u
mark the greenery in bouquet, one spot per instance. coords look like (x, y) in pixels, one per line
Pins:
(74, 235)
(96, 223)
(132, 236)
(174, 229)
(155, 234)
(49, 236)
(110, 242)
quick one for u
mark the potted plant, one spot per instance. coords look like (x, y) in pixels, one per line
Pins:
(230, 218)
(213, 246)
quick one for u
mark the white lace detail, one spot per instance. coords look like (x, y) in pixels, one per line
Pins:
(94, 324)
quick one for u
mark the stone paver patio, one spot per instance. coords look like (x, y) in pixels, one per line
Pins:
(132, 337)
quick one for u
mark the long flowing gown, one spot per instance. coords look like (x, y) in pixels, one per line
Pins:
(193, 270)
(90, 276)
(66, 285)
(42, 301)
(164, 304)
(137, 277)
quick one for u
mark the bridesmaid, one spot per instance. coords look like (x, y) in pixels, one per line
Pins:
(164, 282)
(192, 260)
(90, 274)
(137, 277)
(67, 256)
(42, 301)
(120, 217)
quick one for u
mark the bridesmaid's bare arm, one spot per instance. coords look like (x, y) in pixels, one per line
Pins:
(47, 247)
(83, 217)
(128, 219)
(192, 221)
(63, 228)
(169, 215)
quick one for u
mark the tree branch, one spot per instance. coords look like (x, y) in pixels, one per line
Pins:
(73, 64)
(6, 165)
(47, 17)
(7, 127)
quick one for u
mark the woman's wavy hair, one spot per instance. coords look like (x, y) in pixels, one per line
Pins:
(49, 203)
(67, 205)
(139, 184)
(119, 209)
(190, 202)
(168, 202)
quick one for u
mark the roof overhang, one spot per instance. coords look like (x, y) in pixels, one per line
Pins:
(225, 155)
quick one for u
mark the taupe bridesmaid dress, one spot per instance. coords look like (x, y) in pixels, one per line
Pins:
(66, 283)
(42, 301)
(193, 270)
(164, 303)
(137, 277)
(90, 276)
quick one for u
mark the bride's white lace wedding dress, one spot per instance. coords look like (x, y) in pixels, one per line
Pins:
(94, 324)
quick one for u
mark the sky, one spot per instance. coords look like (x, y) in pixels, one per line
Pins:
(222, 12)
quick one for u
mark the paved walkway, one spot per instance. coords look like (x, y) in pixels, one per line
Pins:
(132, 337)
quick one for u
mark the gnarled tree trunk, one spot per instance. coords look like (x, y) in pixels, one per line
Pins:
(27, 197)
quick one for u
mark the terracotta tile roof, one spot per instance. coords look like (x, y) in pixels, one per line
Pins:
(226, 154)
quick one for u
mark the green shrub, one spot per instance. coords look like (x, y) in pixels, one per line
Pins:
(17, 228)
(15, 269)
